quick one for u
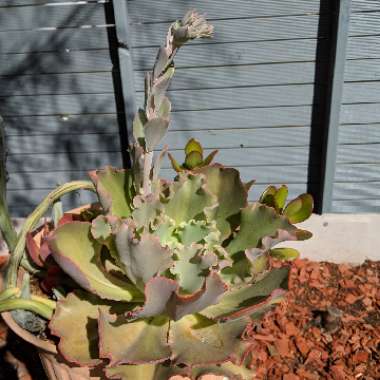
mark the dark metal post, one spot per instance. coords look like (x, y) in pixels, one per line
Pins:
(125, 61)
(336, 81)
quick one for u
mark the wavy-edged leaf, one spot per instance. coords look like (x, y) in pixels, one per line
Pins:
(189, 198)
(259, 221)
(196, 340)
(258, 259)
(284, 253)
(161, 297)
(115, 190)
(192, 267)
(154, 131)
(192, 232)
(75, 323)
(79, 256)
(246, 300)
(210, 294)
(284, 235)
(188, 270)
(136, 342)
(100, 228)
(300, 208)
(226, 185)
(164, 230)
(141, 258)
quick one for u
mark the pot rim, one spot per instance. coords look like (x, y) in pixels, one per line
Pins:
(45, 345)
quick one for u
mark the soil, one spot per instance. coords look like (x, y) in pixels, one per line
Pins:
(328, 327)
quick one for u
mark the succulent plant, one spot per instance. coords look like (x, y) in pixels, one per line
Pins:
(194, 157)
(167, 274)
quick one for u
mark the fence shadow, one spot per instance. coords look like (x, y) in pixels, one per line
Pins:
(57, 97)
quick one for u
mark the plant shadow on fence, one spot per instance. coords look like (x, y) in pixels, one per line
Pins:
(62, 115)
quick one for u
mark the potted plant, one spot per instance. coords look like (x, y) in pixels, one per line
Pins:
(160, 277)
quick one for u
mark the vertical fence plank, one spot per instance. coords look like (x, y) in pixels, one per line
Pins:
(125, 61)
(336, 80)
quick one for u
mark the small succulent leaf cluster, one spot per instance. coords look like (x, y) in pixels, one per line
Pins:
(297, 211)
(194, 157)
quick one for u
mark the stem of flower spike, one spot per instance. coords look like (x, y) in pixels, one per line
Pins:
(33, 220)
(147, 188)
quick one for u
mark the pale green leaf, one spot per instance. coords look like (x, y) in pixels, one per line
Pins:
(78, 254)
(115, 190)
(196, 340)
(192, 232)
(136, 342)
(299, 209)
(284, 253)
(244, 300)
(75, 323)
(132, 372)
(100, 228)
(188, 198)
(281, 196)
(161, 297)
(257, 222)
(141, 258)
(189, 269)
(231, 195)
(154, 131)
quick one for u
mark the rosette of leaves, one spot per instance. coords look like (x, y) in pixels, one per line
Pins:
(168, 276)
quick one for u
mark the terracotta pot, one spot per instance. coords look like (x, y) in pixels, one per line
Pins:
(56, 368)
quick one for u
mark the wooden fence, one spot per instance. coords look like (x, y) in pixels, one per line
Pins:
(287, 90)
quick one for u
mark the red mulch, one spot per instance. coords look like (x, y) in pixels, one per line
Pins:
(328, 327)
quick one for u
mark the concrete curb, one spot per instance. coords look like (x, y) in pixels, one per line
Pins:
(341, 238)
